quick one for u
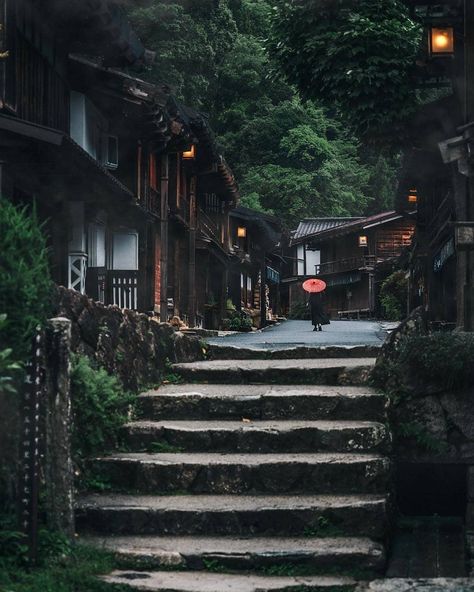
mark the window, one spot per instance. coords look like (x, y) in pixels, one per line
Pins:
(125, 250)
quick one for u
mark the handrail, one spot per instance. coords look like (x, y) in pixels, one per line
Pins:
(347, 264)
(210, 226)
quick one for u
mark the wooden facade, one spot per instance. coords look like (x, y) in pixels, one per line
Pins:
(131, 220)
(256, 240)
(352, 255)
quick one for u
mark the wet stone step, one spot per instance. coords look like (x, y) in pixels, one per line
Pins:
(221, 401)
(229, 352)
(229, 553)
(245, 473)
(337, 371)
(259, 436)
(308, 516)
(215, 582)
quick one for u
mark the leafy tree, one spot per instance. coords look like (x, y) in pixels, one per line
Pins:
(191, 38)
(25, 281)
(355, 56)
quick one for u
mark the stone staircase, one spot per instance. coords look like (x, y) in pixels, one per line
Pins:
(265, 475)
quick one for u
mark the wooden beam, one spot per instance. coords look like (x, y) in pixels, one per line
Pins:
(164, 182)
(192, 253)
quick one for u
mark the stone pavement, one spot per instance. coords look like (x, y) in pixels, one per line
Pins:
(300, 333)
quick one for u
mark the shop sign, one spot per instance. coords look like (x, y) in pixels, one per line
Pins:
(443, 255)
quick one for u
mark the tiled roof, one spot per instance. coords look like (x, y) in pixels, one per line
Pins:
(329, 227)
(310, 226)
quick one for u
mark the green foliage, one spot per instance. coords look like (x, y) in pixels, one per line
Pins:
(323, 527)
(300, 312)
(162, 446)
(100, 408)
(9, 369)
(240, 322)
(190, 38)
(413, 430)
(393, 296)
(290, 158)
(442, 359)
(355, 56)
(62, 568)
(25, 284)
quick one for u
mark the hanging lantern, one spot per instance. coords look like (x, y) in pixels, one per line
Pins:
(441, 41)
(241, 232)
(363, 241)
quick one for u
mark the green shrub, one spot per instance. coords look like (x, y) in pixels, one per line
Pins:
(393, 296)
(442, 359)
(100, 408)
(300, 312)
(240, 322)
(9, 369)
(25, 281)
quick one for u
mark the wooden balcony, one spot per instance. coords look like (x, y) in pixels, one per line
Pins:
(349, 264)
(209, 226)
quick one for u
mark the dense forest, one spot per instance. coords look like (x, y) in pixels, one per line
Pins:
(291, 151)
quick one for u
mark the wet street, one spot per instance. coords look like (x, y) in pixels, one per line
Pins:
(300, 333)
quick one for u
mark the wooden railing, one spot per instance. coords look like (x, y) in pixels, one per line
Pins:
(122, 288)
(151, 201)
(208, 225)
(348, 264)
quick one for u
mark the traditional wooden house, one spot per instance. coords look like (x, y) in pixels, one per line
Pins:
(256, 240)
(352, 255)
(130, 183)
(437, 174)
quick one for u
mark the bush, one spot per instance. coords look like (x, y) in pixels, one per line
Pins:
(240, 322)
(393, 296)
(100, 408)
(300, 312)
(25, 281)
(9, 369)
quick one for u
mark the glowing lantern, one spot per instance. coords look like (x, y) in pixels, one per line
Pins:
(241, 232)
(441, 41)
(189, 154)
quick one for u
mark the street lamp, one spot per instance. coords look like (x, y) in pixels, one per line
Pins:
(441, 41)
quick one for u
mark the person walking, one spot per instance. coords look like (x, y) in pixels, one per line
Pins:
(318, 316)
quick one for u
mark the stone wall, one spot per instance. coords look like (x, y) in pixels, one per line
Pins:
(132, 346)
(430, 423)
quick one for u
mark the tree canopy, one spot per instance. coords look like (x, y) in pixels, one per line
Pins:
(291, 156)
(355, 56)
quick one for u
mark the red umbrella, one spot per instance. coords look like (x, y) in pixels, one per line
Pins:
(314, 286)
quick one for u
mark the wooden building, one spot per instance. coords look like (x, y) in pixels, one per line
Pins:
(131, 186)
(352, 255)
(438, 172)
(256, 243)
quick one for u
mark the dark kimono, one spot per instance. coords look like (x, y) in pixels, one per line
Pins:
(318, 316)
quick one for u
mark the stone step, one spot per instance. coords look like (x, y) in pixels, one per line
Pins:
(256, 436)
(221, 401)
(418, 585)
(337, 371)
(245, 473)
(228, 553)
(300, 352)
(214, 582)
(238, 515)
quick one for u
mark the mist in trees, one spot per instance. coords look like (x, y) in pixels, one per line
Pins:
(292, 157)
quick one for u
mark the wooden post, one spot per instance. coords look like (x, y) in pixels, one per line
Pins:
(192, 254)
(164, 181)
(263, 294)
(59, 477)
(469, 117)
